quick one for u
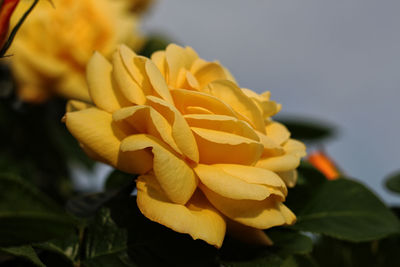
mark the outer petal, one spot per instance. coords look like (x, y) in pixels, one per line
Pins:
(222, 123)
(197, 218)
(175, 176)
(289, 177)
(277, 132)
(100, 84)
(231, 94)
(97, 132)
(74, 105)
(181, 132)
(271, 148)
(146, 119)
(220, 147)
(283, 163)
(247, 234)
(254, 175)
(229, 186)
(295, 148)
(258, 214)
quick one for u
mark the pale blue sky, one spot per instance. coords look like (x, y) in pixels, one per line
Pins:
(337, 60)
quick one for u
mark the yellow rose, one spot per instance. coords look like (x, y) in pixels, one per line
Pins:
(53, 46)
(208, 154)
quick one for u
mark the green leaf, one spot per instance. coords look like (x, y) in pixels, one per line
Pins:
(87, 205)
(287, 242)
(118, 179)
(106, 243)
(393, 182)
(27, 216)
(346, 210)
(153, 44)
(26, 252)
(308, 183)
(67, 247)
(299, 261)
(307, 129)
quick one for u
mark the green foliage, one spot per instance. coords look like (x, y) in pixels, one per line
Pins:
(306, 129)
(393, 182)
(346, 210)
(288, 242)
(153, 44)
(118, 179)
(27, 216)
(25, 252)
(105, 243)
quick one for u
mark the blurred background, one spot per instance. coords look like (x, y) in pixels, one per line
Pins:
(334, 61)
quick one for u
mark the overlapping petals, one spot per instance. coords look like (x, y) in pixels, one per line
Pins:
(210, 157)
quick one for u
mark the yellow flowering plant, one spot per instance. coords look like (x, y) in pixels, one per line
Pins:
(206, 150)
(204, 172)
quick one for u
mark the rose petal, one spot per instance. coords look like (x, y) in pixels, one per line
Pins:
(125, 82)
(295, 148)
(254, 175)
(101, 89)
(175, 176)
(96, 131)
(271, 148)
(229, 186)
(277, 132)
(232, 95)
(258, 214)
(247, 234)
(220, 147)
(181, 132)
(197, 218)
(158, 58)
(158, 82)
(146, 119)
(289, 177)
(282, 163)
(178, 58)
(222, 123)
(187, 98)
(209, 72)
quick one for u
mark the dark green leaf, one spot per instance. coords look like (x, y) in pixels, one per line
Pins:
(26, 252)
(153, 44)
(309, 181)
(329, 252)
(87, 205)
(118, 179)
(287, 242)
(393, 182)
(67, 247)
(299, 261)
(106, 243)
(346, 210)
(307, 129)
(27, 216)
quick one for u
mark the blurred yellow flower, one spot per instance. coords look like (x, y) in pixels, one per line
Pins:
(54, 44)
(208, 154)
